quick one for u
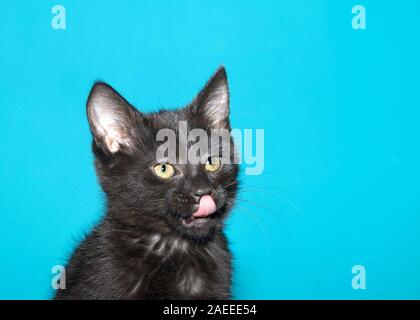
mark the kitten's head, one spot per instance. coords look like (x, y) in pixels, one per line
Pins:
(189, 198)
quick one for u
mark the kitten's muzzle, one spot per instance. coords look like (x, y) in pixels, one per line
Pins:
(202, 211)
(206, 207)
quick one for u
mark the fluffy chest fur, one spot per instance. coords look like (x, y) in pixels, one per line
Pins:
(120, 265)
(176, 269)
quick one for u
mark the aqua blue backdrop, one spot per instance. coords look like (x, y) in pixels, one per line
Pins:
(340, 109)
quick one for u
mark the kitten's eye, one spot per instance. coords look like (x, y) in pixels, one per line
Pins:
(213, 164)
(164, 171)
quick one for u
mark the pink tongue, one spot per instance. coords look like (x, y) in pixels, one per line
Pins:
(206, 207)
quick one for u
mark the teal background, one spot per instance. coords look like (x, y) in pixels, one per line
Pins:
(340, 109)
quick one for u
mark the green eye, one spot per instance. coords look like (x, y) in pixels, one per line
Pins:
(164, 171)
(213, 164)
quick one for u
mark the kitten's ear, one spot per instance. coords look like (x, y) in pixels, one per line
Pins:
(111, 119)
(212, 103)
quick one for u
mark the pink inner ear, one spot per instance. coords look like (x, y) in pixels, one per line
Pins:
(109, 117)
(115, 138)
(206, 207)
(112, 144)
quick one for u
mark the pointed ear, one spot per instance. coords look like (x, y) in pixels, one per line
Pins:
(111, 119)
(212, 103)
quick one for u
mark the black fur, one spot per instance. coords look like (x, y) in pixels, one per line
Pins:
(141, 249)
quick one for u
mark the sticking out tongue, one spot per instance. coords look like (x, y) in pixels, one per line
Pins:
(206, 207)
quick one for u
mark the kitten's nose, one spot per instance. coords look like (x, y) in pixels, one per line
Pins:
(201, 192)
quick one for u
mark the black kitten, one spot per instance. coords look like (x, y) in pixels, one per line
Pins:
(162, 234)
